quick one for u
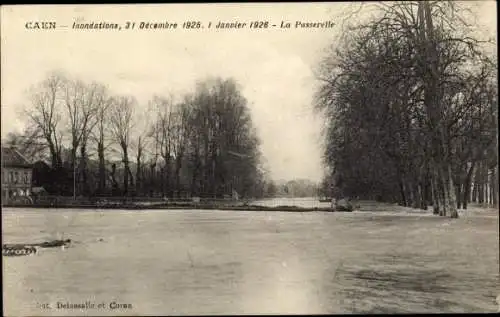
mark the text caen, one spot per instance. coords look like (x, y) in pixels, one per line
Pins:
(40, 25)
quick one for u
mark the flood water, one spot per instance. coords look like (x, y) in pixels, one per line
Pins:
(200, 262)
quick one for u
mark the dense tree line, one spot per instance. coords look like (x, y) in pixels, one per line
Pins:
(411, 102)
(200, 144)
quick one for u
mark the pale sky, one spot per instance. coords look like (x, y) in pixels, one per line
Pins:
(274, 66)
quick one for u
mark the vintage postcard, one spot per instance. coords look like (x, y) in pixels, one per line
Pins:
(249, 158)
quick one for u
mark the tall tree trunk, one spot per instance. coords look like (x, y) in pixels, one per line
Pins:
(125, 179)
(114, 183)
(178, 166)
(54, 156)
(206, 165)
(495, 186)
(402, 193)
(193, 182)
(467, 185)
(458, 195)
(130, 177)
(452, 201)
(144, 177)
(126, 170)
(75, 172)
(427, 192)
(480, 183)
(416, 196)
(485, 183)
(162, 181)
(475, 190)
(422, 197)
(138, 178)
(490, 187)
(168, 176)
(152, 181)
(102, 168)
(196, 171)
(409, 194)
(213, 180)
(73, 157)
(83, 169)
(441, 192)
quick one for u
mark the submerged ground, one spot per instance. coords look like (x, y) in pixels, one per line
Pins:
(382, 259)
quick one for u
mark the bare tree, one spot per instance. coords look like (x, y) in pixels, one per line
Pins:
(205, 141)
(29, 143)
(120, 119)
(95, 103)
(181, 132)
(409, 64)
(81, 102)
(224, 145)
(142, 140)
(44, 114)
(164, 132)
(100, 131)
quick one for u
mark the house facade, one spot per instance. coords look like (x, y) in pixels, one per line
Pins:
(16, 174)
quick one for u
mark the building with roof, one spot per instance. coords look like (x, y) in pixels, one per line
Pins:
(16, 174)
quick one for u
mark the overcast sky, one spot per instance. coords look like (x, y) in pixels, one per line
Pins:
(274, 67)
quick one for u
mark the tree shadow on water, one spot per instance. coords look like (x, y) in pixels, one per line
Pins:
(411, 280)
(389, 290)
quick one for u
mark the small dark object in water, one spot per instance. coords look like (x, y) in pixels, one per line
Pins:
(47, 244)
(54, 243)
(30, 248)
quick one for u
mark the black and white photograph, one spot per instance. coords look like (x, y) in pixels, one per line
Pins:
(249, 158)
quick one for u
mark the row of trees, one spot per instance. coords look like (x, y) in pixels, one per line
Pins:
(202, 143)
(411, 102)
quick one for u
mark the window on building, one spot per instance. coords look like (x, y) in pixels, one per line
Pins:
(26, 177)
(11, 177)
(16, 178)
